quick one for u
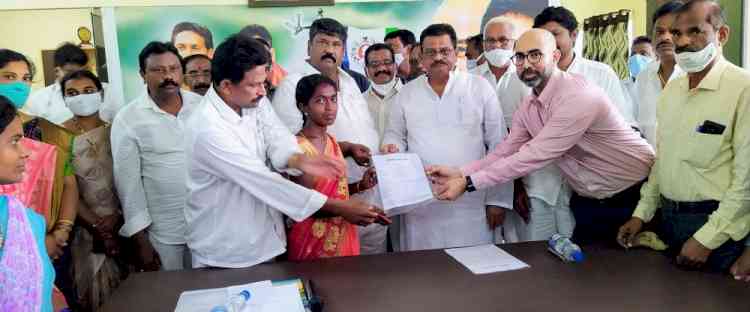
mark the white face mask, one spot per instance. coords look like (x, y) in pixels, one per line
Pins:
(693, 62)
(498, 57)
(384, 89)
(84, 104)
(399, 58)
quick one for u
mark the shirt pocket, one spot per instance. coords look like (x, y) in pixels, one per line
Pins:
(705, 148)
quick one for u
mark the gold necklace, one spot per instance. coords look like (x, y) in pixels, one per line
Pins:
(659, 73)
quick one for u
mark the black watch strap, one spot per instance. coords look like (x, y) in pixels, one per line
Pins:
(470, 185)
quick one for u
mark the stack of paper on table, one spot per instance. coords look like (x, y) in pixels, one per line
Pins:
(485, 259)
(402, 182)
(264, 297)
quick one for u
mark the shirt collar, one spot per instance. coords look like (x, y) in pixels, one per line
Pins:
(149, 103)
(713, 78)
(225, 112)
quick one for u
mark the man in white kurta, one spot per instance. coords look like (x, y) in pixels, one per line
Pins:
(149, 171)
(457, 126)
(353, 124)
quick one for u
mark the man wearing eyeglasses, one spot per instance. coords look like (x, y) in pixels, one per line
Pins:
(448, 117)
(571, 123)
(149, 160)
(198, 73)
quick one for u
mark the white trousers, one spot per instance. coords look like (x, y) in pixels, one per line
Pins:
(173, 257)
(545, 220)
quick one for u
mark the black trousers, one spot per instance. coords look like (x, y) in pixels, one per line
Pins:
(598, 220)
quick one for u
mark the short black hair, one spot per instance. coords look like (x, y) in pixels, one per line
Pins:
(436, 30)
(202, 31)
(377, 47)
(8, 112)
(306, 88)
(236, 56)
(256, 31)
(560, 15)
(156, 47)
(406, 37)
(476, 41)
(328, 26)
(69, 53)
(641, 39)
(7, 56)
(670, 7)
(79, 74)
(193, 57)
(716, 16)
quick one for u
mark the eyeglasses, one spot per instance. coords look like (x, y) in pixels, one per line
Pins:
(432, 53)
(376, 64)
(165, 70)
(534, 57)
(500, 41)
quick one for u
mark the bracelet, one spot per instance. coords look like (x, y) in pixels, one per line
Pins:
(64, 222)
(64, 228)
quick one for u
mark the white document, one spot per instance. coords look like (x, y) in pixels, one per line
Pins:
(285, 297)
(402, 182)
(485, 259)
(206, 299)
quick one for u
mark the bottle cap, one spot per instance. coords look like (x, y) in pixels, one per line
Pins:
(577, 256)
(246, 294)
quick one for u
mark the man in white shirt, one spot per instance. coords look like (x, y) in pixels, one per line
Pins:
(381, 69)
(48, 103)
(563, 24)
(235, 202)
(548, 195)
(354, 126)
(650, 82)
(451, 117)
(149, 160)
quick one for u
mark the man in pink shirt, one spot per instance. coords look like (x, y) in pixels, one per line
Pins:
(569, 122)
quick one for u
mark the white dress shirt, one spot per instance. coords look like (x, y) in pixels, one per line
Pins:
(379, 106)
(510, 89)
(454, 129)
(49, 104)
(235, 202)
(149, 167)
(605, 77)
(648, 88)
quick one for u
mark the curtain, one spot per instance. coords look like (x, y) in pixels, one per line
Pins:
(607, 40)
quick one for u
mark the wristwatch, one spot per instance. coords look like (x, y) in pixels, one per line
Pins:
(469, 185)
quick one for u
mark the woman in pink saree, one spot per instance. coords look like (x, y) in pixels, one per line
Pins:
(323, 236)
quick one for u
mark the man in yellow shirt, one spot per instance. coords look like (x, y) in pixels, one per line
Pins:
(701, 177)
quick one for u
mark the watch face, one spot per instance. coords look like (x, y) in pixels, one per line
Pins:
(84, 34)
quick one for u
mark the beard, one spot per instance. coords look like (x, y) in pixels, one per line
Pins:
(533, 81)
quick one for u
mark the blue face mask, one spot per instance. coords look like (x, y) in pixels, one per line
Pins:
(17, 92)
(637, 63)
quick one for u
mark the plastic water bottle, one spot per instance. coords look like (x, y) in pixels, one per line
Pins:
(564, 248)
(235, 303)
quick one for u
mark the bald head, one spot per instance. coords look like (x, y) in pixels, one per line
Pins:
(536, 39)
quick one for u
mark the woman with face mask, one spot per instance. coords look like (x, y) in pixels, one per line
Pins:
(49, 187)
(97, 263)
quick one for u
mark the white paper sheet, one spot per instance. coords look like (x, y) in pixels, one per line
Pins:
(285, 297)
(402, 182)
(485, 259)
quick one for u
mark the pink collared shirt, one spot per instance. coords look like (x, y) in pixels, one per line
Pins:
(573, 124)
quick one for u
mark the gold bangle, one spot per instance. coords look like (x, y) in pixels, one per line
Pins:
(64, 222)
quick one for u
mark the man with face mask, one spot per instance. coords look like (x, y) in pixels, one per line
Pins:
(198, 73)
(401, 42)
(571, 123)
(452, 117)
(650, 82)
(380, 67)
(48, 103)
(149, 160)
(641, 54)
(354, 127)
(701, 178)
(474, 51)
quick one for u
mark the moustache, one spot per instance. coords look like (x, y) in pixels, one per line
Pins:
(664, 44)
(167, 83)
(201, 86)
(328, 56)
(383, 72)
(685, 49)
(436, 63)
(529, 71)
